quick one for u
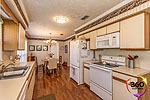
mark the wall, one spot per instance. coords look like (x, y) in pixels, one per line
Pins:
(43, 54)
(61, 50)
(143, 61)
(67, 55)
(40, 54)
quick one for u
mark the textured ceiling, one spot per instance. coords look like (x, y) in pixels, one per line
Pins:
(41, 14)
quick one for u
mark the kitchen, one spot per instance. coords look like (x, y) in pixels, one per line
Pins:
(100, 54)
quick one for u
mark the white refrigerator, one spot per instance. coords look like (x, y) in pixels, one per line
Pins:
(79, 52)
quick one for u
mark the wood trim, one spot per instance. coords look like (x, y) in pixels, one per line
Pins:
(101, 35)
(10, 13)
(125, 74)
(21, 12)
(112, 32)
(119, 79)
(134, 49)
(87, 67)
(147, 30)
(42, 39)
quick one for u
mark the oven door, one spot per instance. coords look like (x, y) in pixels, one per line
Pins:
(103, 42)
(102, 77)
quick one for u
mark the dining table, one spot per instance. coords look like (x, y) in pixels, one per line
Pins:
(46, 62)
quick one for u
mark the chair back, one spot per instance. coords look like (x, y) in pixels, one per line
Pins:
(60, 59)
(52, 63)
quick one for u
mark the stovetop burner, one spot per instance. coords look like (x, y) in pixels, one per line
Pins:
(107, 65)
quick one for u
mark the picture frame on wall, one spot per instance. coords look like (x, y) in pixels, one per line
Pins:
(66, 48)
(31, 47)
(38, 47)
(45, 47)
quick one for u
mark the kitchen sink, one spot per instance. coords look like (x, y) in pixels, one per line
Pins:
(14, 72)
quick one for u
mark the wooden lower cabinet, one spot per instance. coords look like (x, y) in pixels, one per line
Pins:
(120, 91)
(30, 89)
(87, 76)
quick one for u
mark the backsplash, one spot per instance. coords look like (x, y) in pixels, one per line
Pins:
(7, 54)
(143, 61)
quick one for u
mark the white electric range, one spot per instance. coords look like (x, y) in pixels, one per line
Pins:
(101, 75)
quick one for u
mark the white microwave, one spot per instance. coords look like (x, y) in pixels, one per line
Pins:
(108, 41)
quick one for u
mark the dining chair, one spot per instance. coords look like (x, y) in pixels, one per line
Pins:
(52, 66)
(60, 62)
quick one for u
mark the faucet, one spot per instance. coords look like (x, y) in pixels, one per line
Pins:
(100, 58)
(4, 67)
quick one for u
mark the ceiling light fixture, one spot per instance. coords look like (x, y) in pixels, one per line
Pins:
(61, 19)
(50, 41)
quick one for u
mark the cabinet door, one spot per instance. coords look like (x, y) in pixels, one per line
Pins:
(93, 40)
(21, 42)
(132, 32)
(29, 94)
(113, 28)
(87, 36)
(101, 31)
(120, 91)
(86, 76)
(10, 35)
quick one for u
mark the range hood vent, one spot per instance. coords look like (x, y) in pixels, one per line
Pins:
(85, 17)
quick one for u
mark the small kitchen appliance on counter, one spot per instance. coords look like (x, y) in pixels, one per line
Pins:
(101, 75)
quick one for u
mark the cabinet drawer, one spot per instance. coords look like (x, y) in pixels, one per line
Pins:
(124, 77)
(113, 28)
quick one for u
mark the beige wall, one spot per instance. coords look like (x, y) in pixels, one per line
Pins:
(43, 54)
(67, 55)
(40, 54)
(7, 54)
(61, 51)
(143, 61)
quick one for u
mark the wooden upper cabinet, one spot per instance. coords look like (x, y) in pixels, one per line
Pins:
(113, 28)
(101, 31)
(93, 36)
(22, 38)
(134, 32)
(10, 35)
(87, 36)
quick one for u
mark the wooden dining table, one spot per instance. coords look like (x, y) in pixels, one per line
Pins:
(46, 61)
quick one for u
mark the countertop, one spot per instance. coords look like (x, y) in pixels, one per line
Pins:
(11, 88)
(130, 71)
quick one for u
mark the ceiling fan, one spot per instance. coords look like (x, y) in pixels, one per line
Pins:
(50, 41)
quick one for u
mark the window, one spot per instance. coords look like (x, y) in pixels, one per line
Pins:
(23, 53)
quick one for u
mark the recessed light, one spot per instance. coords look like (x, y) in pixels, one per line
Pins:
(61, 19)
